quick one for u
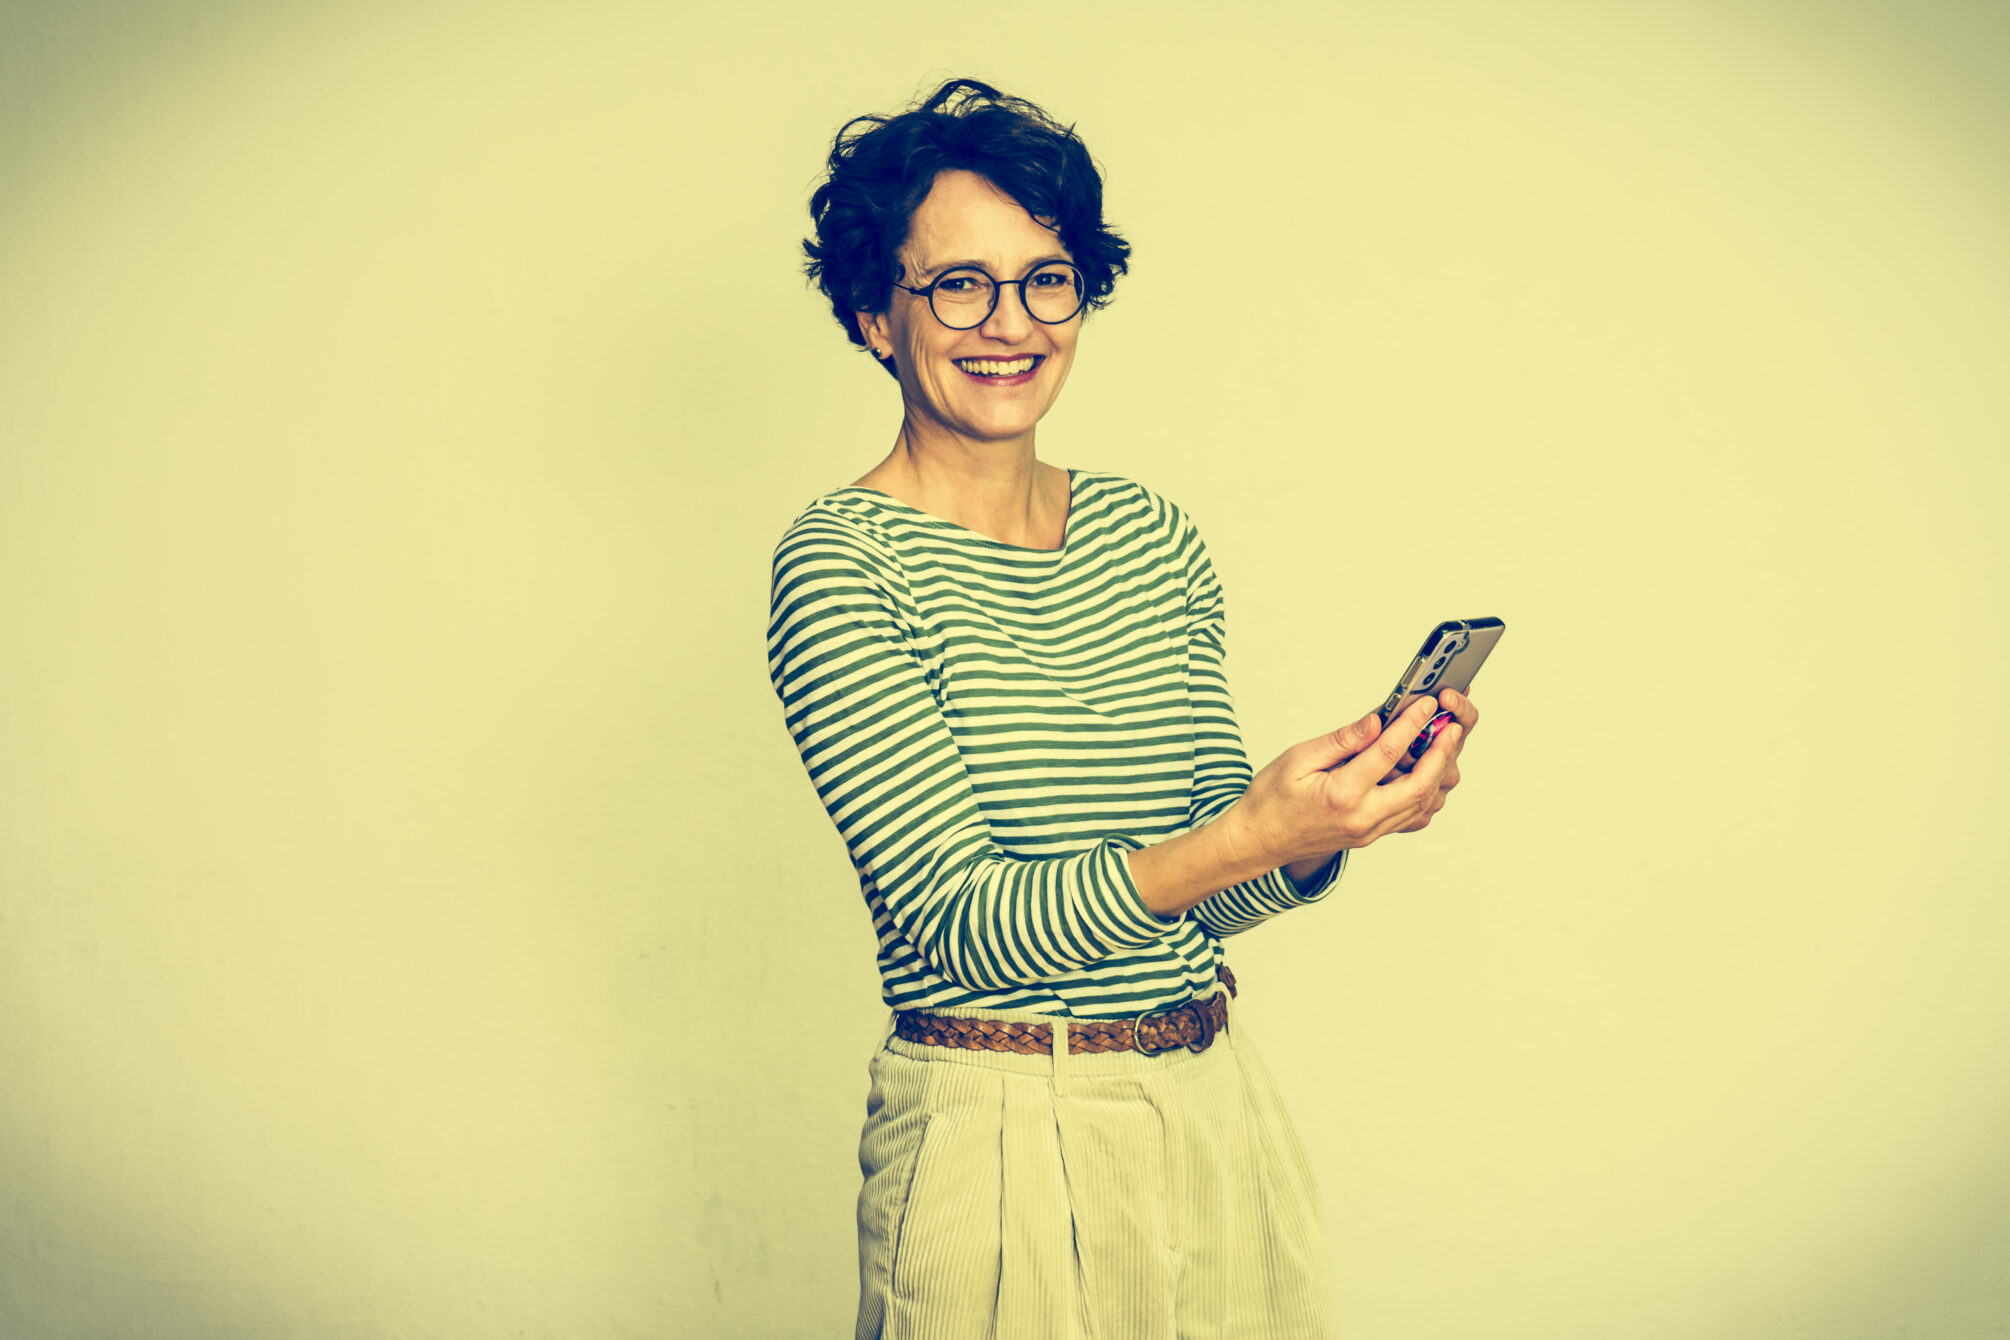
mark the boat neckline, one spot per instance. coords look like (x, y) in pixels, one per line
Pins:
(1067, 529)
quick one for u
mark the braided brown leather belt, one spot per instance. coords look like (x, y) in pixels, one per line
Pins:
(1192, 1025)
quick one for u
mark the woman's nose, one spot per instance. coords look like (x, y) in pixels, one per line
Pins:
(1009, 319)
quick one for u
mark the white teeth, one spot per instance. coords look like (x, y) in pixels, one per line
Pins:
(984, 368)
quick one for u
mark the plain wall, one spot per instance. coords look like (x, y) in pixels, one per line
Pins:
(415, 921)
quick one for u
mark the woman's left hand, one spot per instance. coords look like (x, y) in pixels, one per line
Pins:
(1468, 716)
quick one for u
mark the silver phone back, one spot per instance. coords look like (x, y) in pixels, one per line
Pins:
(1451, 655)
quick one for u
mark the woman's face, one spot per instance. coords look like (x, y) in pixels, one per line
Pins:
(967, 221)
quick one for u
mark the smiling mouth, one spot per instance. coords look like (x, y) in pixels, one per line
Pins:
(1002, 368)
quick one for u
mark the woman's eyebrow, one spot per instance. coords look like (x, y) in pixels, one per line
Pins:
(934, 270)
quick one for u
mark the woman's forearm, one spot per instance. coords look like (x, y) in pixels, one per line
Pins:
(1175, 874)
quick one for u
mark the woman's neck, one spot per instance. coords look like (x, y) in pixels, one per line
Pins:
(1000, 490)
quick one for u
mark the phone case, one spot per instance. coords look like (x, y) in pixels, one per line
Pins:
(1451, 655)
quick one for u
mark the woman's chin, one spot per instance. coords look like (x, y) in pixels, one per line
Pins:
(992, 424)
(1005, 432)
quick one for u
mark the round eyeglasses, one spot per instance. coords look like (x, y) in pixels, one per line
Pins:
(965, 298)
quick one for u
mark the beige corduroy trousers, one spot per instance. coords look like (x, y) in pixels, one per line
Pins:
(1112, 1195)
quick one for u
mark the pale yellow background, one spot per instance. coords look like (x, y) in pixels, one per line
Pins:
(414, 920)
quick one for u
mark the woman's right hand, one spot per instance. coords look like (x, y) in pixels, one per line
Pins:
(1326, 795)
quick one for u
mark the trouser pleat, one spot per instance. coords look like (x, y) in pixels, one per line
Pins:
(1113, 1146)
(1039, 1286)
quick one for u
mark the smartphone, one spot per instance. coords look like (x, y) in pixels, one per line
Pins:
(1451, 655)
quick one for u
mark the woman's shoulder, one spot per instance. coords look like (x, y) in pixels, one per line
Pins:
(845, 527)
(848, 511)
(1142, 508)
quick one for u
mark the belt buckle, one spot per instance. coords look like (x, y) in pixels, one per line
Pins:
(1201, 1016)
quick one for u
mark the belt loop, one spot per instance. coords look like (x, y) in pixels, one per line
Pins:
(1059, 1028)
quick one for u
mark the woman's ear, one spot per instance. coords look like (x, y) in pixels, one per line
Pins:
(878, 338)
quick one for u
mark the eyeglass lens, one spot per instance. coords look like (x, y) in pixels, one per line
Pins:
(963, 298)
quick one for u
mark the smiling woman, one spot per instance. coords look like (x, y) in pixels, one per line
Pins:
(956, 343)
(1006, 682)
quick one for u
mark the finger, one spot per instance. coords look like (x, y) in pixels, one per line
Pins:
(1423, 820)
(1450, 713)
(1409, 803)
(1438, 759)
(1428, 781)
(1433, 727)
(1435, 800)
(1376, 761)
(1328, 750)
(1462, 707)
(1411, 810)
(1417, 735)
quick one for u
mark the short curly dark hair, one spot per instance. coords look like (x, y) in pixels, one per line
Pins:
(880, 176)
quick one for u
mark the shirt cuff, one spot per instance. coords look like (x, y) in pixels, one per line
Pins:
(1137, 925)
(1321, 885)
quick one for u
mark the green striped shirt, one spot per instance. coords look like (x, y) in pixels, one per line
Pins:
(992, 728)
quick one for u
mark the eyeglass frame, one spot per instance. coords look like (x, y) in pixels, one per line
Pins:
(997, 287)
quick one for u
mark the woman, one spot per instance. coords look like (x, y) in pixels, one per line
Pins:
(1005, 680)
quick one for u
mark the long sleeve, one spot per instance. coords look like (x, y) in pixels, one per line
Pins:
(1221, 768)
(857, 700)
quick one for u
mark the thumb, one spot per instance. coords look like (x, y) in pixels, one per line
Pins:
(1336, 747)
